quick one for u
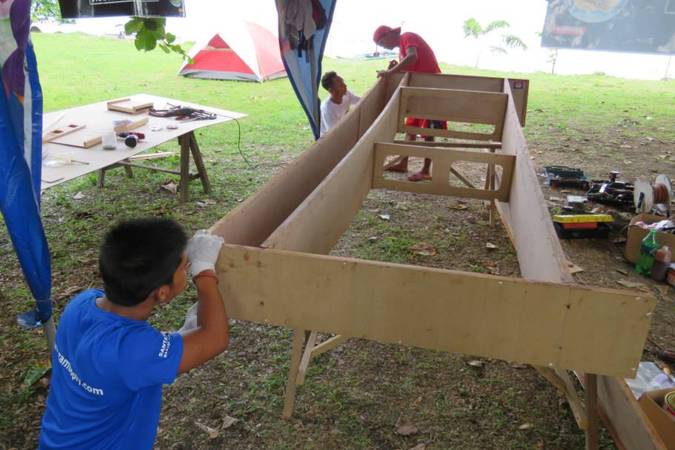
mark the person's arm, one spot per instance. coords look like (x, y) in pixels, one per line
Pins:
(409, 60)
(212, 336)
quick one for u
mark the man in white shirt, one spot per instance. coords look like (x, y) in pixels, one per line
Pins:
(337, 105)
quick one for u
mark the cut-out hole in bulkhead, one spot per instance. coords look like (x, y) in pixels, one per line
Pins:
(401, 168)
(468, 174)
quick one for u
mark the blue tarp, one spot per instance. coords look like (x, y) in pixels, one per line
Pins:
(21, 154)
(303, 31)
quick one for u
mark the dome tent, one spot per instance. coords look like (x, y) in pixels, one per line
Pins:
(243, 51)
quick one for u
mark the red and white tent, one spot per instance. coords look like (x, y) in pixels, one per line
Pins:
(244, 51)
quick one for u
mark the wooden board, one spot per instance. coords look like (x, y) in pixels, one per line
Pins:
(526, 216)
(81, 139)
(596, 330)
(319, 221)
(254, 220)
(454, 106)
(133, 125)
(129, 106)
(442, 161)
(519, 87)
(61, 131)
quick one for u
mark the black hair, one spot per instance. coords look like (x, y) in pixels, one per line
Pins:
(328, 79)
(138, 256)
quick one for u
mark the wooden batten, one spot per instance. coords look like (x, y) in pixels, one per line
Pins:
(454, 106)
(451, 144)
(597, 330)
(318, 223)
(442, 161)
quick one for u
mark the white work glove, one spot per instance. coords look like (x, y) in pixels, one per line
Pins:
(190, 320)
(202, 251)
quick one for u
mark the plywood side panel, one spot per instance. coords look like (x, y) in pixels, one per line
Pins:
(317, 224)
(454, 105)
(540, 255)
(442, 161)
(253, 221)
(520, 87)
(627, 423)
(496, 317)
(463, 82)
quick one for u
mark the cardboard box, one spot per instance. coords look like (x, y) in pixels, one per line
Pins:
(636, 234)
(652, 404)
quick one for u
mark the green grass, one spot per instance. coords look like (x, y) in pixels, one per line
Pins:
(77, 69)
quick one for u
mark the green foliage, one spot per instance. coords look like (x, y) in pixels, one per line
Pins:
(151, 33)
(472, 28)
(45, 9)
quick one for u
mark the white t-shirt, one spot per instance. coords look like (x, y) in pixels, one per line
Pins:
(331, 113)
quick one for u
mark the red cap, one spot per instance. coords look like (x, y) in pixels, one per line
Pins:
(382, 30)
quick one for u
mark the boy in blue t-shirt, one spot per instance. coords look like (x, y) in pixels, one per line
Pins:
(108, 363)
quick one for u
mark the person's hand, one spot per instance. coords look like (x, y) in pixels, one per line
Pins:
(202, 251)
(392, 64)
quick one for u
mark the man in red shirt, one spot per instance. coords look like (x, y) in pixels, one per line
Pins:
(415, 55)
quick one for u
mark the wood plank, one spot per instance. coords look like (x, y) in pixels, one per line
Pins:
(519, 87)
(255, 219)
(318, 223)
(296, 353)
(442, 160)
(592, 431)
(61, 131)
(454, 106)
(306, 358)
(329, 344)
(540, 255)
(450, 144)
(476, 314)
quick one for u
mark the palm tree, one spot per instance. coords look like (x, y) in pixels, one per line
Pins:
(472, 28)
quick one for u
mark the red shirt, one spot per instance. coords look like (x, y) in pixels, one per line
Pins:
(426, 60)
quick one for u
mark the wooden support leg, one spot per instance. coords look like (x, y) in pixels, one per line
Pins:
(296, 354)
(101, 177)
(328, 344)
(306, 357)
(199, 162)
(129, 172)
(592, 435)
(184, 141)
(563, 382)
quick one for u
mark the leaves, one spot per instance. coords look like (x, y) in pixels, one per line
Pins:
(472, 28)
(151, 33)
(513, 41)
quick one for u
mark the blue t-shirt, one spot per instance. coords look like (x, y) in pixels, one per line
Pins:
(107, 377)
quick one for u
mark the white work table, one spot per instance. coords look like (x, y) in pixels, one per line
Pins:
(98, 121)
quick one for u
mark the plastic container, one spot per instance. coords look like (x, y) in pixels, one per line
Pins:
(662, 260)
(648, 378)
(648, 248)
